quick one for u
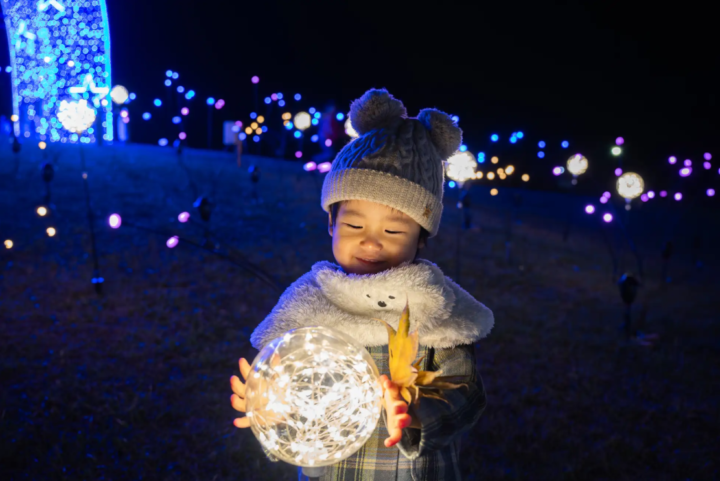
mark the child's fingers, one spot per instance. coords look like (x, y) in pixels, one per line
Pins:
(237, 403)
(243, 422)
(237, 386)
(244, 368)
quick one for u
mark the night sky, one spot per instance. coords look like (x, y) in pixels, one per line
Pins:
(587, 73)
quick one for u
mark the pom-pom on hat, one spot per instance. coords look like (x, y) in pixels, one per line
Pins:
(396, 161)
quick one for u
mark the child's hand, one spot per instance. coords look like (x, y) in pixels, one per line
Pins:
(396, 409)
(238, 398)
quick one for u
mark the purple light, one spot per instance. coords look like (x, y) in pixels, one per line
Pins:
(707, 165)
(672, 160)
(590, 209)
(619, 141)
(115, 221)
(685, 171)
(310, 166)
(220, 104)
(255, 79)
(274, 97)
(606, 194)
(172, 242)
(557, 171)
(618, 172)
(644, 198)
(651, 194)
(184, 110)
(710, 192)
(678, 196)
(707, 156)
(184, 216)
(298, 155)
(663, 193)
(687, 162)
(607, 217)
(328, 143)
(324, 167)
(182, 135)
(604, 200)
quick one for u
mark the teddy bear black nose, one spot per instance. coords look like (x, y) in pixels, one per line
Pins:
(381, 304)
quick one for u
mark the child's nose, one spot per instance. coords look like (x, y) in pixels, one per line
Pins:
(381, 304)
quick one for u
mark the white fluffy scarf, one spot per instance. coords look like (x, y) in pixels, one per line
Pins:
(444, 312)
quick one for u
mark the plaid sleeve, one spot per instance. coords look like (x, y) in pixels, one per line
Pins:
(442, 422)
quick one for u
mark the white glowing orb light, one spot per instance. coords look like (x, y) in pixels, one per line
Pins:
(302, 120)
(607, 217)
(41, 211)
(309, 166)
(461, 166)
(349, 130)
(76, 117)
(324, 167)
(119, 94)
(616, 151)
(51, 231)
(115, 221)
(184, 217)
(577, 164)
(172, 242)
(590, 209)
(8, 244)
(630, 185)
(313, 396)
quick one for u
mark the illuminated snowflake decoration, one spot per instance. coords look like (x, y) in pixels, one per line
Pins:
(313, 396)
(76, 117)
(60, 51)
(461, 166)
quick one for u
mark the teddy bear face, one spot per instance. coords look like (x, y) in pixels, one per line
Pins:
(382, 301)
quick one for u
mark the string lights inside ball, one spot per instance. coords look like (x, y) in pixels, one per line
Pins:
(461, 166)
(313, 396)
(630, 185)
(76, 116)
(577, 164)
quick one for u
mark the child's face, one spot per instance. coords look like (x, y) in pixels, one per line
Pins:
(366, 231)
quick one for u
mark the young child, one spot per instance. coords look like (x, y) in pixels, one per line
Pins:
(383, 196)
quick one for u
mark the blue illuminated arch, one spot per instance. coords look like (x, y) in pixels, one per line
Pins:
(60, 50)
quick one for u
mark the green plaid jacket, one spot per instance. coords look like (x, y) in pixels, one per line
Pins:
(430, 453)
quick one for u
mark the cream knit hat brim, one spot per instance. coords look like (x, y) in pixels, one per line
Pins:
(383, 188)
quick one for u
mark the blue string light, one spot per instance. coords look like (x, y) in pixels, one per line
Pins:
(180, 89)
(279, 96)
(176, 120)
(268, 100)
(520, 135)
(463, 148)
(157, 102)
(297, 134)
(147, 116)
(451, 184)
(211, 101)
(298, 96)
(541, 144)
(58, 54)
(264, 128)
(314, 121)
(513, 139)
(541, 154)
(168, 73)
(242, 136)
(565, 144)
(289, 125)
(253, 115)
(175, 75)
(311, 110)
(494, 137)
(340, 116)
(281, 103)
(168, 82)
(314, 138)
(481, 157)
(256, 138)
(190, 94)
(163, 142)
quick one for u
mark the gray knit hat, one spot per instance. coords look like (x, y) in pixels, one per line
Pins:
(396, 161)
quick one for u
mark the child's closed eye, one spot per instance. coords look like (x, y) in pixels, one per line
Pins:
(353, 226)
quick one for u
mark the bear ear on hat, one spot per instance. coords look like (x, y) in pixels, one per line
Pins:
(374, 110)
(446, 136)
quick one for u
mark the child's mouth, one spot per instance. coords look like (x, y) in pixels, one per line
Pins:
(367, 262)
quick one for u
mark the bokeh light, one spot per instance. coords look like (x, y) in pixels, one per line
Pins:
(302, 120)
(119, 94)
(541, 154)
(309, 166)
(298, 155)
(255, 79)
(494, 160)
(577, 164)
(41, 211)
(678, 196)
(157, 103)
(525, 177)
(651, 194)
(565, 144)
(509, 169)
(8, 244)
(607, 217)
(616, 151)
(687, 163)
(182, 136)
(604, 200)
(541, 144)
(630, 185)
(491, 175)
(162, 142)
(115, 221)
(644, 197)
(710, 192)
(685, 171)
(184, 111)
(172, 242)
(618, 172)
(461, 166)
(619, 141)
(51, 231)
(147, 116)
(590, 209)
(493, 192)
(558, 171)
(494, 137)
(328, 143)
(76, 117)
(184, 217)
(663, 193)
(349, 130)
(324, 167)
(672, 160)
(219, 104)
(707, 165)
(707, 156)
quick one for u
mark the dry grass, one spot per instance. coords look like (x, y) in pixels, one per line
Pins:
(134, 384)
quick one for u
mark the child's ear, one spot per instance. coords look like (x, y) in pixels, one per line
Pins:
(330, 226)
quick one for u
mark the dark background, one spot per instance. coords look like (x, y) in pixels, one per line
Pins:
(586, 73)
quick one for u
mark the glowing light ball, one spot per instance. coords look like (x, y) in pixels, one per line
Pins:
(463, 148)
(176, 75)
(651, 194)
(493, 192)
(672, 160)
(180, 89)
(616, 151)
(525, 177)
(41, 211)
(607, 217)
(279, 95)
(494, 160)
(248, 130)
(8, 244)
(541, 144)
(51, 231)
(663, 193)
(219, 104)
(309, 166)
(707, 156)
(710, 192)
(297, 97)
(172, 242)
(119, 94)
(577, 164)
(162, 142)
(255, 79)
(298, 155)
(312, 110)
(685, 171)
(260, 119)
(184, 111)
(606, 194)
(184, 217)
(297, 134)
(182, 136)
(302, 120)
(324, 167)
(455, 118)
(43, 145)
(687, 162)
(115, 221)
(618, 172)
(604, 200)
(451, 184)
(479, 175)
(176, 120)
(349, 130)
(644, 198)
(281, 103)
(461, 166)
(313, 396)
(157, 103)
(630, 185)
(340, 116)
(558, 171)
(328, 143)
(286, 116)
(565, 144)
(190, 94)
(76, 117)
(541, 154)
(707, 165)
(509, 169)
(315, 121)
(147, 116)
(519, 135)
(268, 100)
(168, 82)
(491, 175)
(619, 141)
(678, 196)
(513, 139)
(590, 209)
(494, 137)
(256, 138)
(210, 101)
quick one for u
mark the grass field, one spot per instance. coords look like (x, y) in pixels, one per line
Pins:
(133, 384)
